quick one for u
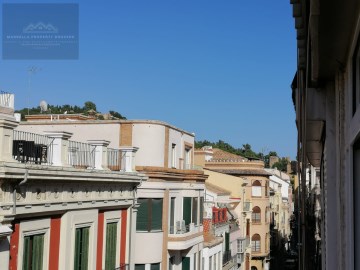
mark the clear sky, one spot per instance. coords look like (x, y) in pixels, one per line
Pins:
(219, 68)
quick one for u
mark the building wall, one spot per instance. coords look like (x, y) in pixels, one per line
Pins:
(150, 140)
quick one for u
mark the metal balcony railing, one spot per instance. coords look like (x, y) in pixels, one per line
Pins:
(114, 159)
(181, 228)
(81, 155)
(32, 148)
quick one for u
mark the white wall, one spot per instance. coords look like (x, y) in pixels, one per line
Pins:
(150, 139)
(148, 247)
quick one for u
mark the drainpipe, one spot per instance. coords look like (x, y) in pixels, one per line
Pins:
(16, 187)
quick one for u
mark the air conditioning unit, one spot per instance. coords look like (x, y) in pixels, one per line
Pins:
(180, 227)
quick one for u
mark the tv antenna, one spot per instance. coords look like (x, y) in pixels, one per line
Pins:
(31, 71)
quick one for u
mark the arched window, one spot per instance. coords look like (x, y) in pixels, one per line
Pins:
(255, 243)
(256, 188)
(253, 268)
(256, 215)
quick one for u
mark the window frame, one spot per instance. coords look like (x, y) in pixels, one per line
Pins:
(35, 227)
(256, 243)
(256, 216)
(256, 188)
(150, 217)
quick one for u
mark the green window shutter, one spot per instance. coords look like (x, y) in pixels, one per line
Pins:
(185, 263)
(195, 211)
(227, 241)
(142, 215)
(33, 252)
(37, 252)
(139, 266)
(110, 251)
(26, 251)
(156, 214)
(201, 209)
(155, 266)
(187, 210)
(81, 248)
(85, 248)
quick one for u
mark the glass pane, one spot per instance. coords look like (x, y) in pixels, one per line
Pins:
(187, 210)
(201, 209)
(110, 251)
(155, 266)
(195, 211)
(142, 215)
(185, 263)
(156, 214)
(139, 266)
(172, 215)
(81, 248)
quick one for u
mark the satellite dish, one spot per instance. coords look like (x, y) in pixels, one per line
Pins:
(43, 106)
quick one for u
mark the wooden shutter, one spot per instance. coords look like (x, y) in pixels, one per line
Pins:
(185, 263)
(33, 252)
(37, 256)
(142, 215)
(81, 248)
(110, 251)
(187, 210)
(156, 214)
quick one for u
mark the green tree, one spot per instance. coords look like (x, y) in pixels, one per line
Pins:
(89, 105)
(281, 164)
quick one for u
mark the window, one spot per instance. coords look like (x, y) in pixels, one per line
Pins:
(187, 158)
(33, 252)
(139, 266)
(201, 209)
(256, 189)
(255, 243)
(81, 248)
(256, 215)
(190, 210)
(110, 249)
(173, 155)
(155, 266)
(185, 265)
(240, 246)
(172, 215)
(253, 268)
(227, 241)
(149, 215)
(171, 263)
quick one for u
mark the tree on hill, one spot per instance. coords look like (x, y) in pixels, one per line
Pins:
(281, 165)
(69, 109)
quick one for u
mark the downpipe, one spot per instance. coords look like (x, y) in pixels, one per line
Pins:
(16, 187)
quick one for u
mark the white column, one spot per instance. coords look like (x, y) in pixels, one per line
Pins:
(59, 147)
(128, 158)
(7, 126)
(100, 153)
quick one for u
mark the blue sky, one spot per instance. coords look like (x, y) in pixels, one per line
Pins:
(219, 68)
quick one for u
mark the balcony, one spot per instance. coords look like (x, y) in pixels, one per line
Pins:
(55, 149)
(183, 236)
(123, 267)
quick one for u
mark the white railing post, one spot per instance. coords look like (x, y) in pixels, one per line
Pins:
(59, 147)
(128, 158)
(100, 146)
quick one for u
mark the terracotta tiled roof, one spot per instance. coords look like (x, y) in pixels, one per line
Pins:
(221, 154)
(258, 172)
